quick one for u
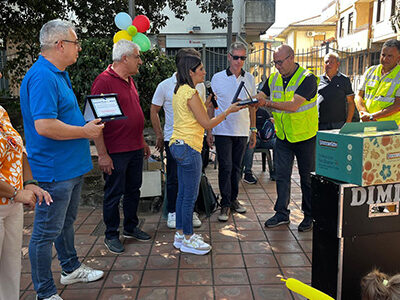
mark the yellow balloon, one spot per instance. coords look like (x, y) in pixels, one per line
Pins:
(305, 290)
(122, 35)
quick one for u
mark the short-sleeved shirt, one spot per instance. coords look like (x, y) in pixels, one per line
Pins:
(46, 93)
(126, 134)
(332, 98)
(11, 151)
(307, 89)
(224, 84)
(163, 97)
(186, 127)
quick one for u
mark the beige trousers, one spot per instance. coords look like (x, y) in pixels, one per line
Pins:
(11, 226)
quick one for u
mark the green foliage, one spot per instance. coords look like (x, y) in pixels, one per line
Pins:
(93, 59)
(20, 23)
(395, 18)
(155, 68)
(215, 8)
(96, 56)
(97, 16)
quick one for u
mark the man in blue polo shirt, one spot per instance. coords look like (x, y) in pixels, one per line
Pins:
(58, 152)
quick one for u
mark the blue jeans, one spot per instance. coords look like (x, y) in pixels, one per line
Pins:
(230, 151)
(172, 180)
(284, 157)
(248, 155)
(54, 223)
(189, 173)
(125, 179)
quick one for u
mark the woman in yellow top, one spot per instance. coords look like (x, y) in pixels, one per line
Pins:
(17, 187)
(190, 120)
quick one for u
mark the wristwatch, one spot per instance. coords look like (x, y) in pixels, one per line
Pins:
(371, 117)
(253, 129)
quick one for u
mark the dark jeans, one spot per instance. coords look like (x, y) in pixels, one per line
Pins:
(305, 155)
(230, 151)
(172, 180)
(125, 179)
(249, 154)
(332, 125)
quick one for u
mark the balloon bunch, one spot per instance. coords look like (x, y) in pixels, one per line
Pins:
(132, 30)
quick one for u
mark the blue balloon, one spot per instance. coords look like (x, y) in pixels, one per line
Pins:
(123, 20)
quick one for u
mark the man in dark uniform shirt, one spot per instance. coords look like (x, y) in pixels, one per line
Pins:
(335, 96)
(293, 94)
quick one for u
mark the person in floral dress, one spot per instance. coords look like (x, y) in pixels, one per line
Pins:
(17, 188)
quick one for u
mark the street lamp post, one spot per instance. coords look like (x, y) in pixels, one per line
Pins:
(132, 8)
(229, 32)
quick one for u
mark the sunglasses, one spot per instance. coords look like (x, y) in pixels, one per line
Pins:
(236, 57)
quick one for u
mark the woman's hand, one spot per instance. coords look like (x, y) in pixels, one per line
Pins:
(235, 107)
(39, 193)
(26, 197)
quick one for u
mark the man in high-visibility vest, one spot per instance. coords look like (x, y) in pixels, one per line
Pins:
(292, 97)
(378, 98)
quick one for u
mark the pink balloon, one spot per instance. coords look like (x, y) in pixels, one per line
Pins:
(142, 23)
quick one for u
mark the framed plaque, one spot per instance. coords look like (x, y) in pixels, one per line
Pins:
(105, 107)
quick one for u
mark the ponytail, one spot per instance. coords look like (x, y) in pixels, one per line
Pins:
(374, 286)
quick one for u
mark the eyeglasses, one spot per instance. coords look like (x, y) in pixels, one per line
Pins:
(77, 43)
(280, 62)
(236, 57)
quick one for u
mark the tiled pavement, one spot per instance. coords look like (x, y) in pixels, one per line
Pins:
(244, 263)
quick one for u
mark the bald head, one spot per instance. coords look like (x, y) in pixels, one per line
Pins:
(285, 49)
(284, 60)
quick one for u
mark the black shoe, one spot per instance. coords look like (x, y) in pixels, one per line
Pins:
(272, 176)
(306, 224)
(224, 214)
(276, 221)
(115, 246)
(249, 178)
(236, 206)
(137, 234)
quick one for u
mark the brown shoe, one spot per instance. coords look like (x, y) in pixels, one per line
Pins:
(224, 214)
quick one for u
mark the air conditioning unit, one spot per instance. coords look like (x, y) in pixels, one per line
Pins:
(310, 33)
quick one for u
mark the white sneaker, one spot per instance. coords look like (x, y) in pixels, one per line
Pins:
(171, 222)
(195, 245)
(82, 274)
(54, 297)
(196, 220)
(178, 239)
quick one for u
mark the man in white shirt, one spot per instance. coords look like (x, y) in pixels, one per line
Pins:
(163, 98)
(231, 135)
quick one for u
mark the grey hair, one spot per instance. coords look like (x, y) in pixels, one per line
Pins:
(53, 31)
(392, 43)
(123, 48)
(237, 46)
(332, 54)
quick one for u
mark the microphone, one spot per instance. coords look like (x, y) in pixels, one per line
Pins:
(210, 91)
